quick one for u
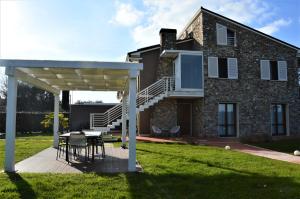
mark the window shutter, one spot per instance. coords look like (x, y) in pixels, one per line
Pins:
(265, 69)
(232, 68)
(221, 34)
(213, 67)
(282, 70)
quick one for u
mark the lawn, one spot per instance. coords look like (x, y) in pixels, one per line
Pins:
(286, 146)
(170, 171)
(26, 146)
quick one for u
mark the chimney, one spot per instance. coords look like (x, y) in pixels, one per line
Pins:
(66, 100)
(167, 39)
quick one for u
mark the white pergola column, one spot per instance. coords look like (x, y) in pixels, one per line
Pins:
(124, 121)
(56, 121)
(132, 120)
(11, 106)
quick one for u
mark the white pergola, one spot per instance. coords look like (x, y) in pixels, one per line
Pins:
(55, 76)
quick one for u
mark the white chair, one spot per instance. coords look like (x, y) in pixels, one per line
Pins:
(78, 141)
(174, 131)
(156, 131)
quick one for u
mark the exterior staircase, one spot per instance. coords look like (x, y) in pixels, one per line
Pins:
(145, 99)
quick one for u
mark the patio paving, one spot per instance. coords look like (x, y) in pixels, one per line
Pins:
(115, 161)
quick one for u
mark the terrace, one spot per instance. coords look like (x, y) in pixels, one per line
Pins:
(55, 76)
(115, 161)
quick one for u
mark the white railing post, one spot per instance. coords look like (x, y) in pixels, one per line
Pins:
(167, 84)
(91, 121)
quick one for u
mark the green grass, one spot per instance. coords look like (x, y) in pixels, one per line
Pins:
(170, 171)
(286, 146)
(26, 146)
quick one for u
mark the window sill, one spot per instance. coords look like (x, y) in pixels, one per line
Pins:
(221, 78)
(278, 135)
(273, 80)
(223, 45)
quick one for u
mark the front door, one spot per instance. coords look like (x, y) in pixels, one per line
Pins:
(184, 119)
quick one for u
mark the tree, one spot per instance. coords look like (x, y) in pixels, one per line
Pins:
(48, 120)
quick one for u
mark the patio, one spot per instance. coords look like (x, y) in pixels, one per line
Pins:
(55, 76)
(115, 161)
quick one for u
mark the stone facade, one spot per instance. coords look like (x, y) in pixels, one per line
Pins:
(164, 114)
(252, 95)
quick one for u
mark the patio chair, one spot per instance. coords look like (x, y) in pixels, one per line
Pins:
(156, 131)
(61, 147)
(77, 142)
(174, 131)
(100, 142)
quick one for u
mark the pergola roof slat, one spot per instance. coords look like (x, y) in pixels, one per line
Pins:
(73, 75)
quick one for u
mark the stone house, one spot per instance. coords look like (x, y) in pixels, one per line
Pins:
(227, 80)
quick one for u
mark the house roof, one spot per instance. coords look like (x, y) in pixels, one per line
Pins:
(238, 24)
(157, 46)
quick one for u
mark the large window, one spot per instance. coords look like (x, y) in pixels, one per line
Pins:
(191, 71)
(278, 119)
(227, 120)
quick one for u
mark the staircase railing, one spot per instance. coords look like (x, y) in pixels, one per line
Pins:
(162, 86)
(159, 87)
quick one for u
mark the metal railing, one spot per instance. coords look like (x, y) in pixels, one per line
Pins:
(162, 86)
(231, 41)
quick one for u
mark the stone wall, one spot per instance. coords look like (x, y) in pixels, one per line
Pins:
(154, 69)
(197, 118)
(195, 30)
(252, 95)
(164, 114)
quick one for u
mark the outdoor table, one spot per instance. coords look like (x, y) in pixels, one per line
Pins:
(90, 135)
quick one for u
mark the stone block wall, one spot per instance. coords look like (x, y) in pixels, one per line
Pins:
(252, 95)
(164, 114)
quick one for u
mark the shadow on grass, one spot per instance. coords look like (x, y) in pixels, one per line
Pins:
(197, 161)
(233, 185)
(24, 188)
(229, 182)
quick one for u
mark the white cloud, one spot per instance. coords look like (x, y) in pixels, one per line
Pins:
(127, 15)
(275, 26)
(176, 14)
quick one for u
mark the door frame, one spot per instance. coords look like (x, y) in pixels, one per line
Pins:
(237, 119)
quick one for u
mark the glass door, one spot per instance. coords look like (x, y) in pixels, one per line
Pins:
(278, 119)
(227, 120)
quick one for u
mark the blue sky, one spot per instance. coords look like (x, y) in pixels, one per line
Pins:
(106, 30)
